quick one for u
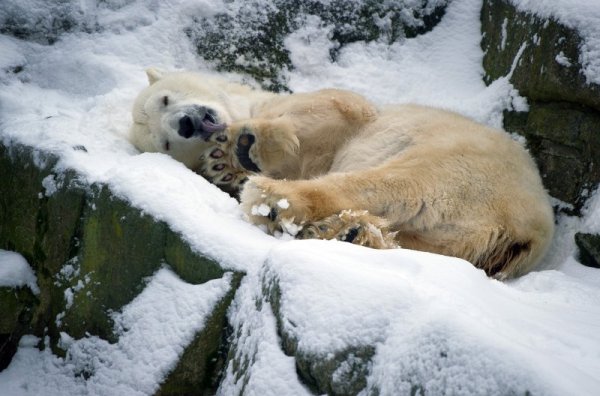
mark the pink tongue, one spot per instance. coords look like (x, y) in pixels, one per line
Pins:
(211, 127)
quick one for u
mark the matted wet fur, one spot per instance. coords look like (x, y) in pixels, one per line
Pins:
(328, 164)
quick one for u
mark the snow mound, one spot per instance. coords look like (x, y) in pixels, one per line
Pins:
(16, 272)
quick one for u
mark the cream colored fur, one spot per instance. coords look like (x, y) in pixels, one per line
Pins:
(333, 166)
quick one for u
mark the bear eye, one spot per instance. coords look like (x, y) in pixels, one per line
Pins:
(165, 100)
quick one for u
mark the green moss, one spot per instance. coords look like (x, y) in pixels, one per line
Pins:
(120, 247)
(191, 266)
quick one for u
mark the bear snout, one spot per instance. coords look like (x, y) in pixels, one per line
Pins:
(199, 121)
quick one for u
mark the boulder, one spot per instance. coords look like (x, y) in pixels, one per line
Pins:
(92, 253)
(589, 249)
(341, 373)
(17, 306)
(248, 37)
(541, 57)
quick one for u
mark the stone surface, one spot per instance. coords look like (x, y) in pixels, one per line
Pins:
(341, 373)
(200, 368)
(45, 23)
(249, 36)
(589, 249)
(565, 140)
(17, 307)
(562, 127)
(92, 253)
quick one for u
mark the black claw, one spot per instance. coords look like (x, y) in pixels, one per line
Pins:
(351, 235)
(273, 214)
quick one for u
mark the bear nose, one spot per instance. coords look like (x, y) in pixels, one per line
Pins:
(199, 121)
(187, 125)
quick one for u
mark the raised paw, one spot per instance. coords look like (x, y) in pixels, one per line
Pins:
(358, 227)
(219, 163)
(264, 146)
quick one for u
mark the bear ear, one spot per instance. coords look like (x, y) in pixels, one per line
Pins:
(154, 74)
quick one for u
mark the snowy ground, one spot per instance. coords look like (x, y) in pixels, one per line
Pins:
(537, 333)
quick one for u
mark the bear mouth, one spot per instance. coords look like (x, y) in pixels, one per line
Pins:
(202, 125)
(210, 125)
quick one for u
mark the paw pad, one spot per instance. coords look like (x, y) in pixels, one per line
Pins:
(242, 152)
(220, 165)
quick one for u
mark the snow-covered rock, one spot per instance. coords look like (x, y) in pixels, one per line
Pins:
(549, 51)
(94, 254)
(254, 36)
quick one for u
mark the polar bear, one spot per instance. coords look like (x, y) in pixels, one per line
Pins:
(329, 164)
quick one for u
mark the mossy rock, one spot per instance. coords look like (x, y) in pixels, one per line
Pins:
(38, 223)
(541, 57)
(92, 253)
(249, 36)
(589, 249)
(343, 372)
(537, 74)
(565, 140)
(17, 306)
(201, 366)
(119, 248)
(46, 22)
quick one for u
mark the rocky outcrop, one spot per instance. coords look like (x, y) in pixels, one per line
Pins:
(341, 373)
(91, 252)
(589, 249)
(542, 59)
(249, 36)
(17, 306)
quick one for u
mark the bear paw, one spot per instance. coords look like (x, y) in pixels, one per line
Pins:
(279, 206)
(246, 148)
(357, 227)
(264, 146)
(220, 166)
(274, 205)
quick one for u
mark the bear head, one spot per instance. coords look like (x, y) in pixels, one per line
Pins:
(177, 114)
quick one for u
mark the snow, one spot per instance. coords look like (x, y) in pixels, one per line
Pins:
(154, 329)
(562, 60)
(50, 185)
(16, 272)
(260, 210)
(537, 333)
(283, 203)
(435, 304)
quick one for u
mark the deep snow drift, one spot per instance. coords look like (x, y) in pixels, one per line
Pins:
(537, 333)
